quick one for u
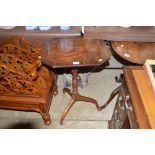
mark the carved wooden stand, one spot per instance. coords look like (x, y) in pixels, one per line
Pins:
(75, 96)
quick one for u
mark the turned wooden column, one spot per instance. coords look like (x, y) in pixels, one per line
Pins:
(74, 73)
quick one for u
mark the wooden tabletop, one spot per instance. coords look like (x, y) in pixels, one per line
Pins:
(142, 97)
(75, 52)
(136, 52)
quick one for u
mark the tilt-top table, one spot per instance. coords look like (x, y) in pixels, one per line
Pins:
(74, 53)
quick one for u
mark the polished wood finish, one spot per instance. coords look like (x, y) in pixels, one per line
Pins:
(146, 94)
(119, 33)
(24, 83)
(136, 52)
(74, 53)
(136, 98)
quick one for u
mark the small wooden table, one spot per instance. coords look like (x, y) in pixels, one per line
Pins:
(135, 52)
(75, 53)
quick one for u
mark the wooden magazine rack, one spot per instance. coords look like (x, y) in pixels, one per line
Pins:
(24, 83)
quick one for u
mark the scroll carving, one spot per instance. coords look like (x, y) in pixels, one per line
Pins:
(21, 71)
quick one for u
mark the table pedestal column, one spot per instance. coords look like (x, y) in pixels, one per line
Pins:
(75, 96)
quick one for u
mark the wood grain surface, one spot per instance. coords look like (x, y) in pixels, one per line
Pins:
(75, 52)
(146, 94)
(136, 99)
(136, 52)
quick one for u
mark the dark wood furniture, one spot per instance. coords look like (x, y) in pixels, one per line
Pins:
(30, 102)
(136, 52)
(118, 33)
(75, 53)
(38, 35)
(135, 102)
(24, 83)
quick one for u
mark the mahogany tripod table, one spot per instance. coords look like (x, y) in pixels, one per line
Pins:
(74, 53)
